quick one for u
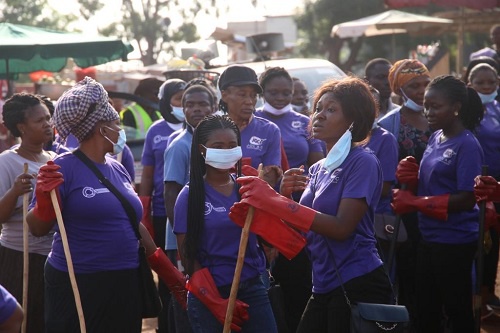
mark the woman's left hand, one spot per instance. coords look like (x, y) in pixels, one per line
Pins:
(293, 180)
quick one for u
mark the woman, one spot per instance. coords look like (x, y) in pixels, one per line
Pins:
(300, 97)
(151, 188)
(302, 150)
(260, 138)
(208, 241)
(445, 202)
(28, 118)
(103, 244)
(483, 78)
(336, 209)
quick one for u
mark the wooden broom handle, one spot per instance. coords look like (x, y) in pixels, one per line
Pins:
(26, 256)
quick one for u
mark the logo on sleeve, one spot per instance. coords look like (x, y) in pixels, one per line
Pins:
(335, 176)
(159, 138)
(256, 143)
(297, 124)
(447, 156)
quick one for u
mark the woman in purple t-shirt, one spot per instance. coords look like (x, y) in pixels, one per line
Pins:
(336, 209)
(446, 206)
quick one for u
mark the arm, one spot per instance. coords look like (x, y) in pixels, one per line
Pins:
(386, 189)
(146, 188)
(38, 227)
(13, 323)
(170, 193)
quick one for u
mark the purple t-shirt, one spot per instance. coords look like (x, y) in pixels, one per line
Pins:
(8, 305)
(152, 155)
(261, 141)
(99, 232)
(220, 240)
(450, 167)
(385, 147)
(488, 135)
(359, 176)
(297, 140)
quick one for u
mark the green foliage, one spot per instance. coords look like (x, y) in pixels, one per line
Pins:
(33, 13)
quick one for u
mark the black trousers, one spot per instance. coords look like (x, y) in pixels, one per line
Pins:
(444, 284)
(110, 301)
(329, 313)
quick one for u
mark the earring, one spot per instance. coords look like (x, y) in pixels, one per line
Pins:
(456, 113)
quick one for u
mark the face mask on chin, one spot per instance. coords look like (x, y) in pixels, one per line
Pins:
(339, 151)
(276, 112)
(488, 98)
(410, 104)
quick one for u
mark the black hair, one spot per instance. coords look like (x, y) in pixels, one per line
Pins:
(14, 110)
(479, 60)
(471, 108)
(271, 73)
(482, 67)
(148, 85)
(198, 88)
(196, 196)
(170, 88)
(357, 101)
(48, 103)
(374, 62)
(206, 83)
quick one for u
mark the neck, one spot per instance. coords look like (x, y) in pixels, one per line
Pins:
(240, 122)
(32, 148)
(94, 151)
(218, 178)
(409, 112)
(453, 130)
(384, 104)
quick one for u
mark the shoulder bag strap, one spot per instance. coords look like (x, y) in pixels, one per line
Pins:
(132, 216)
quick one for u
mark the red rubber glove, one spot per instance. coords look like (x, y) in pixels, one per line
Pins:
(486, 188)
(146, 215)
(170, 275)
(202, 285)
(407, 173)
(256, 192)
(48, 179)
(406, 202)
(491, 217)
(272, 229)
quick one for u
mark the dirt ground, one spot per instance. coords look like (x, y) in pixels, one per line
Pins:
(491, 325)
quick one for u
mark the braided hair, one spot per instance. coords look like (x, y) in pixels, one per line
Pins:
(196, 197)
(14, 110)
(471, 108)
(271, 73)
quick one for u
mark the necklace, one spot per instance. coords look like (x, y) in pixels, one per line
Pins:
(220, 185)
(32, 156)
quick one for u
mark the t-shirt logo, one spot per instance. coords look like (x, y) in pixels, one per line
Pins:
(159, 138)
(255, 143)
(447, 156)
(90, 192)
(209, 208)
(335, 176)
(296, 124)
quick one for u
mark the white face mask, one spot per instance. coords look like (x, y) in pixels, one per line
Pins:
(410, 104)
(120, 144)
(339, 151)
(488, 98)
(178, 113)
(299, 108)
(223, 158)
(277, 112)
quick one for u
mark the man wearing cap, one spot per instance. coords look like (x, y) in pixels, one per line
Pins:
(140, 116)
(260, 138)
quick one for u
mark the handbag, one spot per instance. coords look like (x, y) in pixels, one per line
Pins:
(375, 317)
(277, 300)
(149, 298)
(385, 225)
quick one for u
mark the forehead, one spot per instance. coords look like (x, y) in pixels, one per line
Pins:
(222, 135)
(418, 80)
(245, 88)
(327, 98)
(483, 72)
(37, 111)
(197, 96)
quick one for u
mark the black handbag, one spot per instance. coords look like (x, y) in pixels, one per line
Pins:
(375, 317)
(149, 298)
(385, 226)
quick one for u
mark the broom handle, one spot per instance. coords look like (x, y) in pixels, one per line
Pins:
(26, 256)
(67, 253)
(239, 265)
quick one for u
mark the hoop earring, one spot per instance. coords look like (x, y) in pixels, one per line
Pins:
(456, 113)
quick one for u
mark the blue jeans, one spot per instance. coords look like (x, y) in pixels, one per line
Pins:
(252, 292)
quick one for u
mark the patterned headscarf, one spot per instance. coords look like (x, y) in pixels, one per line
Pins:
(405, 70)
(81, 107)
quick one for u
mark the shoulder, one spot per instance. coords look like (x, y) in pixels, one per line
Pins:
(390, 115)
(262, 123)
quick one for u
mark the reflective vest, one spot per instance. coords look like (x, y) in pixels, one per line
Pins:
(142, 119)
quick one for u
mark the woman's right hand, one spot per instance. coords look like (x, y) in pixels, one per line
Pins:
(293, 180)
(22, 184)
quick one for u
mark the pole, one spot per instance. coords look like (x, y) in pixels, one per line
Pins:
(478, 302)
(67, 253)
(26, 256)
(239, 265)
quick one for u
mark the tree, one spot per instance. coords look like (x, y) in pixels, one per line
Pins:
(34, 13)
(317, 20)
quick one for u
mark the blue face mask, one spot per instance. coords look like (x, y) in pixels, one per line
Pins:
(410, 104)
(178, 113)
(222, 158)
(120, 144)
(339, 151)
(488, 98)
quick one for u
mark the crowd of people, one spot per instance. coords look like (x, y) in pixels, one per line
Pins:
(316, 174)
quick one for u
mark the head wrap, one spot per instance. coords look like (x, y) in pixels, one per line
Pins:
(405, 70)
(168, 89)
(81, 107)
